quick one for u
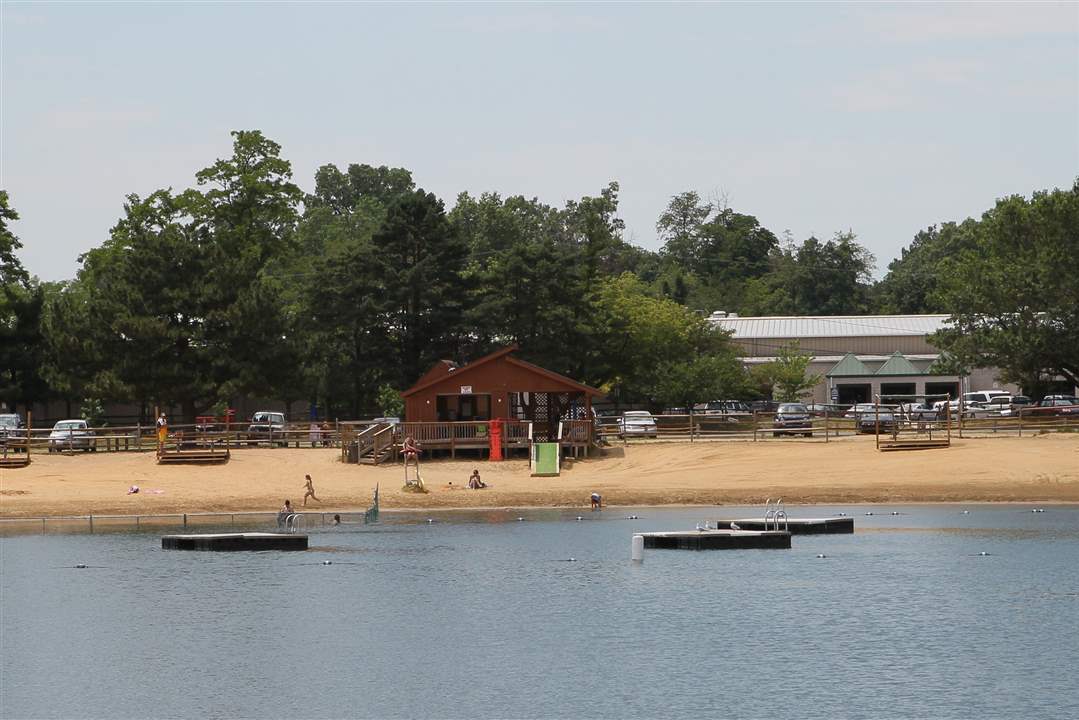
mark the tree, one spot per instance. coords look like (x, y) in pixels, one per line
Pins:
(660, 351)
(20, 310)
(679, 227)
(822, 278)
(787, 375)
(419, 258)
(131, 326)
(1013, 293)
(246, 223)
(11, 269)
(914, 277)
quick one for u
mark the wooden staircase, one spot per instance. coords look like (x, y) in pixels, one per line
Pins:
(376, 444)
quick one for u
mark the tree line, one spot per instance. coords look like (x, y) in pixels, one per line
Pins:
(246, 285)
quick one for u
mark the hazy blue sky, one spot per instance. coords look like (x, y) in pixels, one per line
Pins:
(880, 118)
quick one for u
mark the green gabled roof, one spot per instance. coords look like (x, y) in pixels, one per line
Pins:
(850, 365)
(898, 365)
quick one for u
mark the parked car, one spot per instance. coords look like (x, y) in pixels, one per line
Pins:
(983, 397)
(856, 411)
(792, 416)
(266, 424)
(637, 423)
(73, 435)
(11, 425)
(884, 418)
(1019, 402)
(734, 410)
(920, 412)
(970, 410)
(1053, 408)
(999, 404)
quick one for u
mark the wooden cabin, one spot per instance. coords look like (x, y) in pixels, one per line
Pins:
(502, 386)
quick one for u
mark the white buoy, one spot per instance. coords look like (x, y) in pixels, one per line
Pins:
(520, 519)
(821, 556)
(983, 553)
(579, 518)
(327, 562)
(637, 549)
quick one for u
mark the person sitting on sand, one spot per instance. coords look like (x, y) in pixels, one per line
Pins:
(309, 491)
(597, 501)
(284, 512)
(474, 482)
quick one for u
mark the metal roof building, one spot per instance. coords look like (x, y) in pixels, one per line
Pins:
(857, 356)
(820, 326)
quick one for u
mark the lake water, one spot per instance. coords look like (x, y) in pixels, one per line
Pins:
(478, 615)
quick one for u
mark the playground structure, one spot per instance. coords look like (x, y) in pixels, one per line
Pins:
(911, 425)
(16, 450)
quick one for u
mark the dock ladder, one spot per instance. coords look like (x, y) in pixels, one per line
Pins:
(773, 514)
(295, 522)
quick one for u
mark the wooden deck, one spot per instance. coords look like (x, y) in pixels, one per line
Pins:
(913, 444)
(199, 452)
(379, 443)
(14, 460)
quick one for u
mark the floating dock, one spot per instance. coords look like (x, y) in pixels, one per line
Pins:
(718, 540)
(797, 526)
(226, 542)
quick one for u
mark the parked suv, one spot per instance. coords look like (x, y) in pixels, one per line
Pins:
(264, 424)
(792, 416)
(983, 397)
(11, 425)
(733, 410)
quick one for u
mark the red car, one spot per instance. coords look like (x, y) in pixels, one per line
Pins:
(1052, 407)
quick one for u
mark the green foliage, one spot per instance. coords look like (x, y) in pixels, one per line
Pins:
(92, 411)
(787, 374)
(662, 352)
(223, 290)
(1013, 290)
(390, 402)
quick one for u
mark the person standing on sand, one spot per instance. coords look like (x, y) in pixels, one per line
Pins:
(162, 428)
(309, 491)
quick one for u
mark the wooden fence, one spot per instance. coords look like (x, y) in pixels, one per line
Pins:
(760, 426)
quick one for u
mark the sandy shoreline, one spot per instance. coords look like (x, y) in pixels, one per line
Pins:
(1041, 468)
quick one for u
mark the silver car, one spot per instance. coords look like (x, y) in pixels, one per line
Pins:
(71, 435)
(637, 423)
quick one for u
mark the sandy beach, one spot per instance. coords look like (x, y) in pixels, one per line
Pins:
(1042, 468)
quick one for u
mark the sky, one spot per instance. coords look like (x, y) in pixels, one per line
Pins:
(816, 118)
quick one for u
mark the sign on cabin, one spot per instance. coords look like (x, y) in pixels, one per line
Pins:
(466, 389)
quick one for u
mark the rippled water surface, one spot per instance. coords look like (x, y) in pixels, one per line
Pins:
(479, 615)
